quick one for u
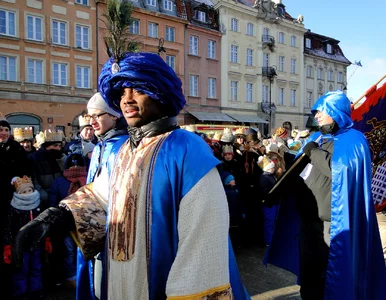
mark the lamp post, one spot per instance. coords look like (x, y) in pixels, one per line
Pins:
(271, 74)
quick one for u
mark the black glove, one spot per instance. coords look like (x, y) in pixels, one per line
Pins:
(31, 235)
(309, 147)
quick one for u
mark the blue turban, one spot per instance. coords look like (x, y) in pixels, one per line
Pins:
(147, 73)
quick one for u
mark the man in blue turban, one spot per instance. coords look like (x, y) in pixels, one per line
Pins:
(167, 221)
(335, 248)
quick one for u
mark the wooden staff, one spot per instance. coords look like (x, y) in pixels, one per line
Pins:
(380, 80)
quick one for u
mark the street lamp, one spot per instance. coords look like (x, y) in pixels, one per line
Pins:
(270, 73)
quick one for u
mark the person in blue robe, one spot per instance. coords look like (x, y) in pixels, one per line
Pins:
(327, 231)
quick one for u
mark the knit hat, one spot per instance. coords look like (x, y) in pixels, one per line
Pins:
(97, 102)
(21, 184)
(265, 163)
(4, 122)
(227, 136)
(228, 179)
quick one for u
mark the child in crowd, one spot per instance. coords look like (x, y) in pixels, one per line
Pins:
(27, 280)
(267, 182)
(74, 177)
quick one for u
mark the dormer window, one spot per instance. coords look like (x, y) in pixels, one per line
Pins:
(329, 49)
(168, 5)
(151, 3)
(308, 43)
(201, 16)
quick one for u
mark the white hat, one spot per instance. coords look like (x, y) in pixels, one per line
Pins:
(97, 102)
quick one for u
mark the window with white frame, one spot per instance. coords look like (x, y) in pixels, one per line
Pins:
(340, 77)
(211, 49)
(82, 37)
(280, 96)
(211, 87)
(329, 49)
(308, 43)
(35, 71)
(83, 2)
(250, 29)
(234, 24)
(59, 32)
(193, 45)
(151, 2)
(265, 94)
(201, 16)
(330, 75)
(59, 74)
(281, 64)
(234, 90)
(320, 73)
(170, 33)
(7, 22)
(309, 71)
(134, 26)
(266, 37)
(152, 30)
(249, 92)
(308, 103)
(193, 88)
(281, 38)
(249, 57)
(234, 54)
(83, 77)
(293, 41)
(171, 61)
(293, 66)
(8, 68)
(293, 98)
(265, 60)
(34, 28)
(168, 5)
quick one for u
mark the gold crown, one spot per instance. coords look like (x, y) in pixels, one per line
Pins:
(82, 121)
(227, 149)
(217, 136)
(21, 134)
(49, 136)
(265, 163)
(17, 182)
(240, 131)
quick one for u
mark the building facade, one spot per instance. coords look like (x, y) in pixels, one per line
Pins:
(48, 55)
(262, 55)
(325, 68)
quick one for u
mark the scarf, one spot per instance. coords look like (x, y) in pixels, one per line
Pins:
(77, 176)
(136, 134)
(26, 201)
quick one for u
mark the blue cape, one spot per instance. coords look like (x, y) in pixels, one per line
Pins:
(356, 268)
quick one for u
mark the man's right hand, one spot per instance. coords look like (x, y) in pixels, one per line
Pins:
(31, 235)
